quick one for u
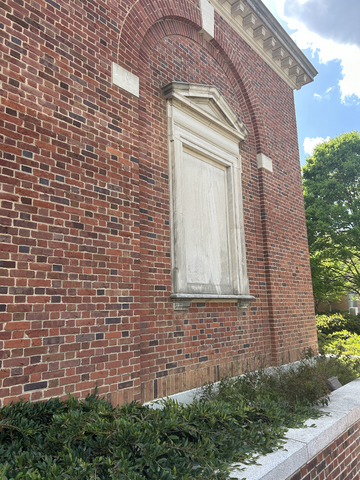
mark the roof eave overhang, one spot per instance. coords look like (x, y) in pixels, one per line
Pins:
(260, 29)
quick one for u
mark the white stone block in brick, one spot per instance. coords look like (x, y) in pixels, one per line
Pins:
(207, 20)
(264, 162)
(125, 79)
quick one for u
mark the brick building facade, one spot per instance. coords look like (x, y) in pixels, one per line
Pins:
(88, 289)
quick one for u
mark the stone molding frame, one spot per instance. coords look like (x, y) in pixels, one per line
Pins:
(206, 213)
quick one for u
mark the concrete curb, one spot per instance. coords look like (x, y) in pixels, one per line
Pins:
(303, 444)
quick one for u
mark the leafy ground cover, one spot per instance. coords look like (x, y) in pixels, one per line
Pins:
(232, 422)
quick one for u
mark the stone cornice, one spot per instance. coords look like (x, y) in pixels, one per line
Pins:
(258, 27)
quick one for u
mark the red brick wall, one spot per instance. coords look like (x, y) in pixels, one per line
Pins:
(338, 461)
(85, 235)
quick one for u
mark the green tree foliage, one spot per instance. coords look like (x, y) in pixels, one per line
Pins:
(331, 181)
(328, 287)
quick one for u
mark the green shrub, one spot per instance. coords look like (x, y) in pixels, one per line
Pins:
(296, 387)
(91, 440)
(345, 367)
(228, 424)
(331, 323)
(341, 343)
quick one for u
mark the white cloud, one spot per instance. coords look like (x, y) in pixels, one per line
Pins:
(317, 96)
(329, 89)
(331, 19)
(327, 49)
(310, 143)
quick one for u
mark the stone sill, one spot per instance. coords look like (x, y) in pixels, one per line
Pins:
(182, 301)
(303, 444)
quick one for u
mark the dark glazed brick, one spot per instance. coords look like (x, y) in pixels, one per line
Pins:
(54, 4)
(312, 464)
(203, 359)
(155, 389)
(63, 201)
(79, 226)
(123, 385)
(35, 386)
(10, 111)
(178, 334)
(320, 467)
(7, 264)
(171, 365)
(14, 83)
(55, 299)
(113, 127)
(125, 299)
(99, 336)
(112, 320)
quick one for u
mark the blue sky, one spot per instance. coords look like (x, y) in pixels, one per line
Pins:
(328, 32)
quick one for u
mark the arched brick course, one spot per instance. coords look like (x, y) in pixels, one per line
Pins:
(151, 17)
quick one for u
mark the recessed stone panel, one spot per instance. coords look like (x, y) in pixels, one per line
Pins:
(206, 226)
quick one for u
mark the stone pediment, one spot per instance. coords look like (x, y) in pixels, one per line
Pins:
(206, 100)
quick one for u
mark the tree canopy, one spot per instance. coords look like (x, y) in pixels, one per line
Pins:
(331, 181)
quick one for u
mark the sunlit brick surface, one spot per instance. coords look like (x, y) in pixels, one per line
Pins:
(85, 228)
